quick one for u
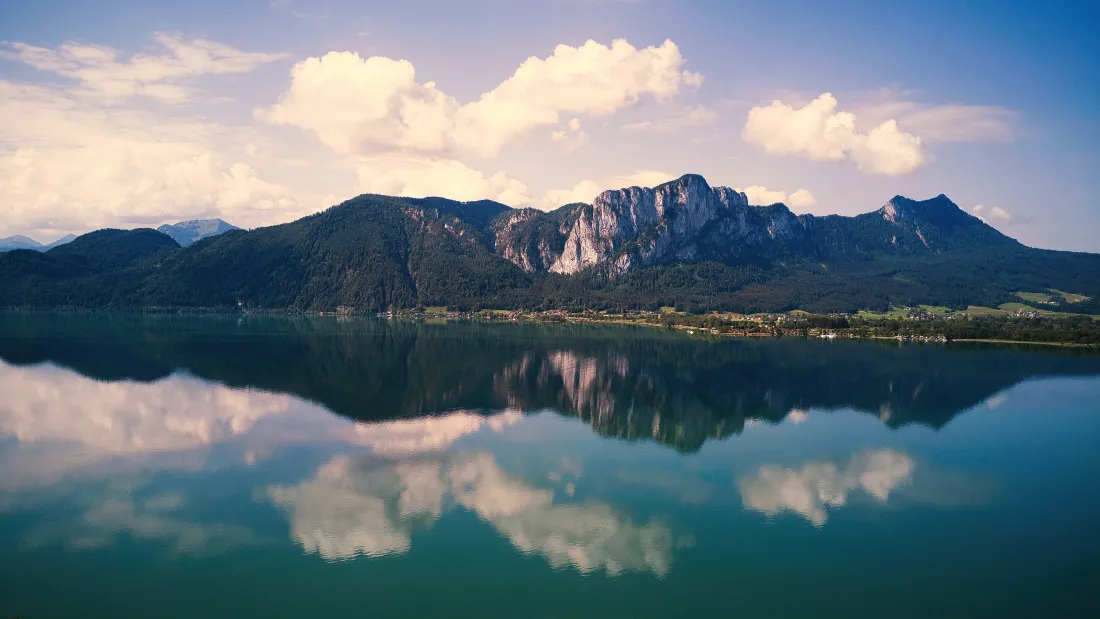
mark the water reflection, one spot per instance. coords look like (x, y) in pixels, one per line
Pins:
(367, 506)
(635, 384)
(117, 515)
(809, 490)
(313, 454)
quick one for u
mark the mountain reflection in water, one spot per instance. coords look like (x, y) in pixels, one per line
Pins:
(293, 466)
(632, 383)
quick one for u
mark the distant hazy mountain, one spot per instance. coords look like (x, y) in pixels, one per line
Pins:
(681, 244)
(22, 242)
(187, 232)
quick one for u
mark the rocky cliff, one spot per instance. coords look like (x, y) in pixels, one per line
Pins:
(686, 220)
(683, 220)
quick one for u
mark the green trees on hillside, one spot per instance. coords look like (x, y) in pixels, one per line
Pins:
(374, 253)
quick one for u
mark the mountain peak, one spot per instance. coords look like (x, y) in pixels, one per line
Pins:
(187, 232)
(20, 240)
(898, 209)
(25, 242)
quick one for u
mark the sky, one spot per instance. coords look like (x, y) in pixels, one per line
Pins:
(129, 114)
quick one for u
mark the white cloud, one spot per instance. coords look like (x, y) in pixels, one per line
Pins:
(357, 105)
(801, 198)
(762, 196)
(584, 191)
(86, 155)
(572, 138)
(821, 133)
(691, 116)
(641, 178)
(69, 164)
(587, 190)
(418, 177)
(363, 105)
(101, 73)
(817, 485)
(960, 123)
(992, 214)
(952, 122)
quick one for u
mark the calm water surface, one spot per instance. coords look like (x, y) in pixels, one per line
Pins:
(271, 467)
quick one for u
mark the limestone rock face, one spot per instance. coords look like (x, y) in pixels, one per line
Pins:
(686, 220)
(683, 220)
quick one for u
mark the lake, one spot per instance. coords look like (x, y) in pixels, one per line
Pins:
(165, 466)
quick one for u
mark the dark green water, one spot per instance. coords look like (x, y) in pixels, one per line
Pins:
(270, 467)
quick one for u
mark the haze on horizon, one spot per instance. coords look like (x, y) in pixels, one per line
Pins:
(126, 114)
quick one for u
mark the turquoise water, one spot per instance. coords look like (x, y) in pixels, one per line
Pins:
(276, 467)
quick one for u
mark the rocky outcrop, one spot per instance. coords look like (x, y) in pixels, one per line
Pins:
(531, 239)
(626, 227)
(684, 220)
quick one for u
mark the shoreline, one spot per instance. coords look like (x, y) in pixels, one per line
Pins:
(498, 316)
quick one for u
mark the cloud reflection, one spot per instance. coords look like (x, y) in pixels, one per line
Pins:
(370, 507)
(406, 437)
(808, 491)
(49, 404)
(103, 521)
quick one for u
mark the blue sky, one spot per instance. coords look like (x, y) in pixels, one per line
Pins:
(134, 113)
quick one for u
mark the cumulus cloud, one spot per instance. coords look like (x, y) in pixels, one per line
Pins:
(819, 132)
(587, 190)
(763, 196)
(992, 214)
(86, 155)
(363, 105)
(691, 116)
(808, 491)
(369, 507)
(101, 71)
(418, 177)
(572, 137)
(69, 164)
(801, 198)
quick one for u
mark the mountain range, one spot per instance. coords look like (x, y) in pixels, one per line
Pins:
(23, 242)
(682, 243)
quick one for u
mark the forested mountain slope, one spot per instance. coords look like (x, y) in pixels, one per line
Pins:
(682, 243)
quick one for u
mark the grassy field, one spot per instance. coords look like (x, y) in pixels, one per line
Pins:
(937, 310)
(1017, 307)
(1070, 297)
(435, 309)
(1034, 297)
(978, 310)
(895, 312)
(1013, 308)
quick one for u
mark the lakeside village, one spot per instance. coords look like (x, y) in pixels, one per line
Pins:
(920, 324)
